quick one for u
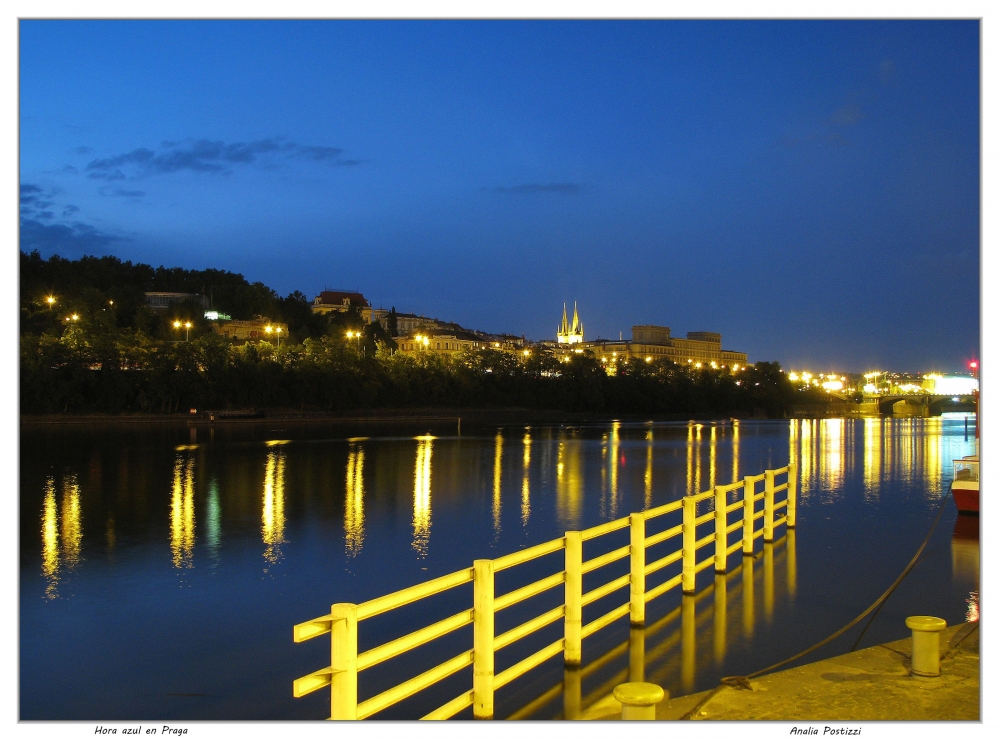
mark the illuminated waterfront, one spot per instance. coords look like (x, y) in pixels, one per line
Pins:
(162, 569)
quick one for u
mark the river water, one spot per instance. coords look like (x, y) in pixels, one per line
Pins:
(163, 566)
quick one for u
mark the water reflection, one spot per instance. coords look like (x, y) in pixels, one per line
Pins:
(497, 480)
(422, 496)
(354, 501)
(182, 513)
(647, 478)
(569, 481)
(273, 511)
(213, 518)
(694, 637)
(614, 447)
(51, 561)
(896, 450)
(736, 450)
(525, 481)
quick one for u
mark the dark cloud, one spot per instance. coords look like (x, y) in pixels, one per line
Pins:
(70, 210)
(83, 150)
(76, 238)
(318, 154)
(564, 188)
(35, 201)
(121, 192)
(205, 155)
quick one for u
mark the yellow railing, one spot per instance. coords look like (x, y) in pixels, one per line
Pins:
(342, 621)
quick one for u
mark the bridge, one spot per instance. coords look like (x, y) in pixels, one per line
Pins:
(900, 405)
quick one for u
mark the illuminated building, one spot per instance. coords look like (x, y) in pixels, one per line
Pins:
(343, 301)
(440, 341)
(570, 334)
(252, 329)
(651, 342)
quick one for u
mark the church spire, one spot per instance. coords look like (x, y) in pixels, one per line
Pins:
(568, 334)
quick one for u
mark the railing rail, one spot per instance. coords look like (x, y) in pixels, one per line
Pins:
(342, 621)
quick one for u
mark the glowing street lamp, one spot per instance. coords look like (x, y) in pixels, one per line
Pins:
(73, 318)
(187, 328)
(50, 300)
(277, 330)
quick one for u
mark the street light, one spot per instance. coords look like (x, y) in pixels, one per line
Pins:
(277, 330)
(50, 300)
(187, 328)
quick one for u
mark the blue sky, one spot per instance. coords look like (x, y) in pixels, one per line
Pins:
(810, 189)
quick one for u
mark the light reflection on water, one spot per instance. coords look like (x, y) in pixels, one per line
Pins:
(422, 496)
(557, 478)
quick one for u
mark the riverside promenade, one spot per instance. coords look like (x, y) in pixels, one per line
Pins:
(872, 684)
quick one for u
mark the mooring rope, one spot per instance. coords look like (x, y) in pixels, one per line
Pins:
(743, 682)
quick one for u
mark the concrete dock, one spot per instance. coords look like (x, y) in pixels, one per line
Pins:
(872, 684)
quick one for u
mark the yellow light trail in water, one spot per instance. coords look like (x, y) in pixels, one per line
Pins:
(525, 482)
(72, 533)
(50, 540)
(354, 501)
(647, 478)
(422, 496)
(614, 448)
(182, 513)
(497, 480)
(273, 513)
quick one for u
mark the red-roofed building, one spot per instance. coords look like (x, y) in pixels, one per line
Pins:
(343, 301)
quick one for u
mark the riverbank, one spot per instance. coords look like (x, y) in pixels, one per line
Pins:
(470, 416)
(871, 684)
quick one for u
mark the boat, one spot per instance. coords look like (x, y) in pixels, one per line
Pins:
(965, 485)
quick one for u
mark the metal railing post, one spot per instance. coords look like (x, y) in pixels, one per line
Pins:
(791, 493)
(637, 568)
(344, 661)
(721, 525)
(573, 624)
(687, 545)
(483, 635)
(769, 506)
(748, 511)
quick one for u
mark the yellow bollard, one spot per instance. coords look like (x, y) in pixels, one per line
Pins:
(748, 507)
(926, 660)
(639, 700)
(637, 568)
(721, 524)
(573, 625)
(792, 491)
(344, 661)
(482, 638)
(768, 506)
(687, 546)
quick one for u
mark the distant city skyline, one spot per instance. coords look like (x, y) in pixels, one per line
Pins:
(808, 189)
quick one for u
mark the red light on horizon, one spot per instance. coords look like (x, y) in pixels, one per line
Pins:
(973, 364)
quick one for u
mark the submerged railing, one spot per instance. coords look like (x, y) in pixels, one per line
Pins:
(342, 621)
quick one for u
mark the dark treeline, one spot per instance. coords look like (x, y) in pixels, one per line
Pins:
(117, 356)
